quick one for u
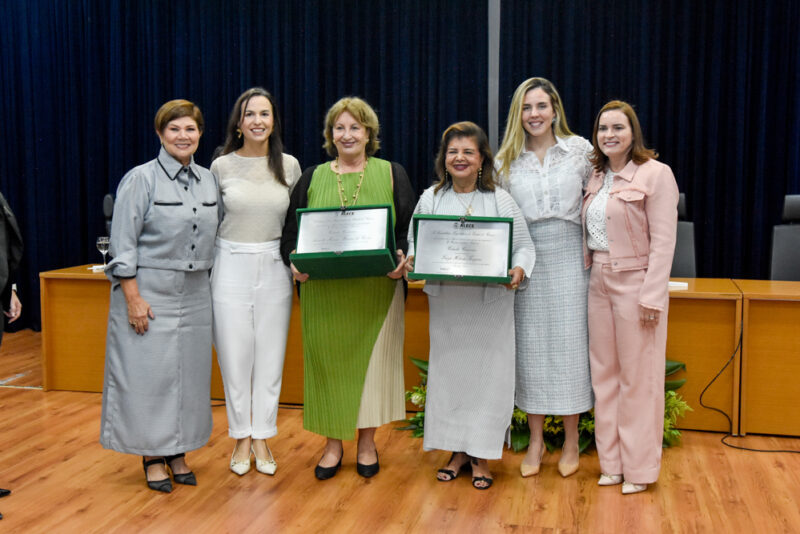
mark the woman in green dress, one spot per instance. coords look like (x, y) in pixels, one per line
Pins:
(353, 328)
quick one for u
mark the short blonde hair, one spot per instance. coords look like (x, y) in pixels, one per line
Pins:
(363, 113)
(176, 109)
(515, 134)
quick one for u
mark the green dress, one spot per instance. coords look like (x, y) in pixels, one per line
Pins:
(350, 325)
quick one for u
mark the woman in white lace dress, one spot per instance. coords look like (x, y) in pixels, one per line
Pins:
(545, 167)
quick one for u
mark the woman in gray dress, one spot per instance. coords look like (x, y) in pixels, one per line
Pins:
(158, 348)
(471, 371)
(545, 167)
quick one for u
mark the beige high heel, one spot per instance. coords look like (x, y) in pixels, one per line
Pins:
(527, 470)
(567, 469)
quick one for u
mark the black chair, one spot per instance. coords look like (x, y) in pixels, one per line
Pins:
(684, 264)
(785, 263)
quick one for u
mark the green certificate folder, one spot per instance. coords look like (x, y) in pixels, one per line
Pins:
(349, 243)
(465, 249)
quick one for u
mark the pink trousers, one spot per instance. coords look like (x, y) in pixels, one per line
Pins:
(627, 364)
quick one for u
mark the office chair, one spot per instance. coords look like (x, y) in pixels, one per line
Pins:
(785, 264)
(684, 264)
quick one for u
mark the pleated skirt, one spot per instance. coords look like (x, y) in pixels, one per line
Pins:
(551, 325)
(156, 389)
(470, 394)
(353, 332)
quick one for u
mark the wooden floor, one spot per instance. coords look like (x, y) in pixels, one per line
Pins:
(63, 481)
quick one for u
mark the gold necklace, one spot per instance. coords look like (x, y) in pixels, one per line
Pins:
(342, 196)
(468, 205)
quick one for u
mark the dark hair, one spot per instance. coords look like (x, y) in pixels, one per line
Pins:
(476, 133)
(176, 109)
(638, 152)
(233, 141)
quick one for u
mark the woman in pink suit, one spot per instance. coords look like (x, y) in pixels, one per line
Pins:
(630, 219)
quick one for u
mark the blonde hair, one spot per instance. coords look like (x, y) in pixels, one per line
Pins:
(515, 134)
(363, 113)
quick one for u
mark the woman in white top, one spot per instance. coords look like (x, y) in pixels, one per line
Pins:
(545, 167)
(251, 287)
(471, 375)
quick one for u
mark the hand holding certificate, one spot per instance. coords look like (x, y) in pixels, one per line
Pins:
(345, 243)
(472, 249)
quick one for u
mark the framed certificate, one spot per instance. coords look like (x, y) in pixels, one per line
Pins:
(469, 249)
(349, 243)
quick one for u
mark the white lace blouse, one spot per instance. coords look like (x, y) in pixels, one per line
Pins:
(553, 189)
(596, 233)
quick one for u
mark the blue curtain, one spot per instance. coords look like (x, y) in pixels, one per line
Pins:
(716, 85)
(82, 80)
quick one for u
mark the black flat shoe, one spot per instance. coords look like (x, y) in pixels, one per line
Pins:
(324, 473)
(368, 471)
(4, 492)
(187, 479)
(164, 485)
(450, 473)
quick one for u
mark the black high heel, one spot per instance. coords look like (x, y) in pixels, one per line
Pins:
(187, 479)
(164, 485)
(324, 473)
(368, 471)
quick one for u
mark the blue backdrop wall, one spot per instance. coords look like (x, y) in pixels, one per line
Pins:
(716, 85)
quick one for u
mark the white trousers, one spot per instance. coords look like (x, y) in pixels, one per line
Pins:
(251, 291)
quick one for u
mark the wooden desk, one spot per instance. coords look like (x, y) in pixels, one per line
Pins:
(703, 332)
(75, 316)
(74, 321)
(771, 357)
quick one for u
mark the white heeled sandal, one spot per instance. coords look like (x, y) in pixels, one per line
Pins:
(268, 467)
(240, 467)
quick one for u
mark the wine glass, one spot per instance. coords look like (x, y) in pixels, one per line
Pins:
(102, 246)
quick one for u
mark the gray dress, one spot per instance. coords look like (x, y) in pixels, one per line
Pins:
(551, 313)
(470, 394)
(156, 386)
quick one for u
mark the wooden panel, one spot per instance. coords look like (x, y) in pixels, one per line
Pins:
(74, 315)
(292, 387)
(702, 334)
(771, 392)
(74, 304)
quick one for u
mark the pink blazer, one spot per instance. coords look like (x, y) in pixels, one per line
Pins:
(641, 221)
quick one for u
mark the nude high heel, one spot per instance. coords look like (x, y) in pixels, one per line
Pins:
(527, 470)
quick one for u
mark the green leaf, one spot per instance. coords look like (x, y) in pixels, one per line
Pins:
(671, 385)
(520, 438)
(673, 367)
(584, 441)
(421, 364)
